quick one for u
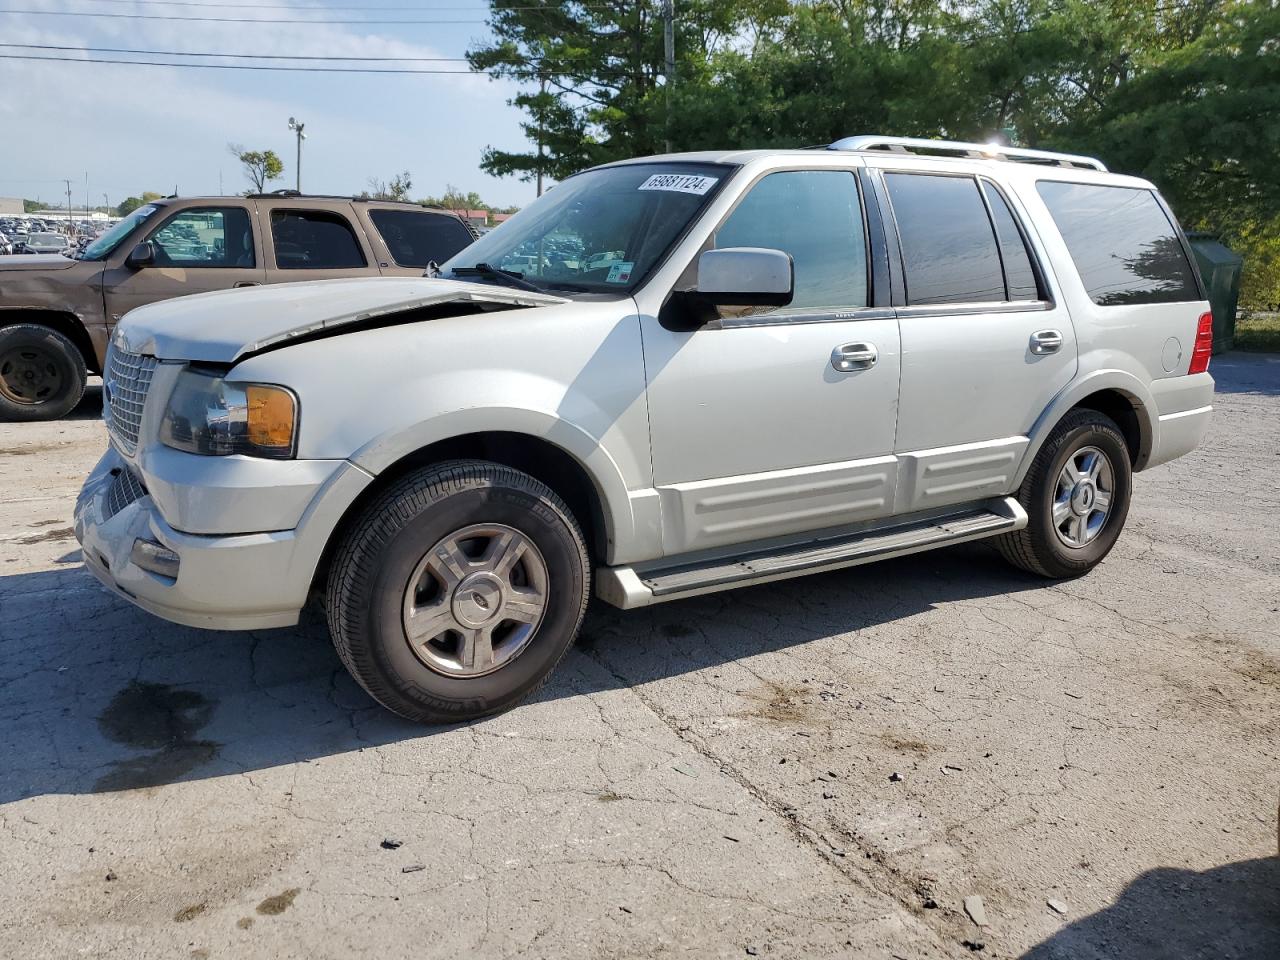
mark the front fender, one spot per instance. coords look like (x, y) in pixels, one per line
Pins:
(629, 520)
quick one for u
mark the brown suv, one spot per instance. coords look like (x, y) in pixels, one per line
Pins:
(56, 314)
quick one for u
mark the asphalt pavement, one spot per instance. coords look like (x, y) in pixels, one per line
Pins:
(827, 767)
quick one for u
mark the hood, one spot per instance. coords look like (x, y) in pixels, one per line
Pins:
(37, 261)
(224, 326)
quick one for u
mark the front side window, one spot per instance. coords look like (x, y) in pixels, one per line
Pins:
(1123, 245)
(816, 216)
(314, 240)
(601, 231)
(205, 237)
(416, 238)
(949, 251)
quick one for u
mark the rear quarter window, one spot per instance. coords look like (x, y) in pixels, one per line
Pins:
(1124, 246)
(416, 239)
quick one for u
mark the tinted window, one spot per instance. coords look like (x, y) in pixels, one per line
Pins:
(205, 237)
(1019, 277)
(815, 216)
(949, 252)
(314, 240)
(1123, 245)
(417, 239)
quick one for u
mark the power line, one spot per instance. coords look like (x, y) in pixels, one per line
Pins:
(229, 56)
(238, 66)
(158, 16)
(254, 66)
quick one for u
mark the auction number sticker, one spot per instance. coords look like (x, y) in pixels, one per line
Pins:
(679, 183)
(619, 273)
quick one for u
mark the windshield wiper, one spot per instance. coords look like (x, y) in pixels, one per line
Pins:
(509, 277)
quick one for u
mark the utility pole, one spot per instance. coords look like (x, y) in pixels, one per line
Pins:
(296, 127)
(542, 109)
(669, 49)
(107, 205)
(68, 183)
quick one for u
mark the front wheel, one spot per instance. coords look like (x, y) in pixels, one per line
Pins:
(1076, 495)
(42, 375)
(458, 591)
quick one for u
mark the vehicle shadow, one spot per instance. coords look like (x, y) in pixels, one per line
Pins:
(90, 405)
(1171, 914)
(96, 695)
(1241, 372)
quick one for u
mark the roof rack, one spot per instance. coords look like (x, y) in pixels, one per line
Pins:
(976, 151)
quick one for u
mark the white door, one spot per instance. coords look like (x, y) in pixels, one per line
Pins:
(755, 433)
(985, 347)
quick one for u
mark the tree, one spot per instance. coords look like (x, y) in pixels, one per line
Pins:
(397, 189)
(455, 199)
(260, 166)
(130, 204)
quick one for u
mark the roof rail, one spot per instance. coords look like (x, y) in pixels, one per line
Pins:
(977, 151)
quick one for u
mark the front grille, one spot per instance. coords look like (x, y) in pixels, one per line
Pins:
(125, 386)
(125, 489)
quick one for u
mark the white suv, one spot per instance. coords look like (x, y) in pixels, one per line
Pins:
(668, 376)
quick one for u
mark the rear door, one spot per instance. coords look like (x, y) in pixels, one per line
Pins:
(315, 241)
(985, 343)
(197, 249)
(406, 238)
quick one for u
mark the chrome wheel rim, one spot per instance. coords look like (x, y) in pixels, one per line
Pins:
(1083, 498)
(475, 600)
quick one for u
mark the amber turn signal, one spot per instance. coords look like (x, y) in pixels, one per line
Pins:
(272, 419)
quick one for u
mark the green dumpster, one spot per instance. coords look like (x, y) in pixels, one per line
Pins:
(1220, 269)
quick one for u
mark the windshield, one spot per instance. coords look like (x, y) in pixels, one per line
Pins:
(598, 232)
(103, 246)
(46, 238)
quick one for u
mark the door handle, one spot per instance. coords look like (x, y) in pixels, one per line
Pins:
(247, 283)
(1046, 341)
(854, 356)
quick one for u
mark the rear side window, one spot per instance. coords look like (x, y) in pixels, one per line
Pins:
(1019, 276)
(816, 216)
(1123, 245)
(314, 240)
(417, 239)
(949, 251)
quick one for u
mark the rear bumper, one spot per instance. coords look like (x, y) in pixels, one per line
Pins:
(1184, 407)
(237, 582)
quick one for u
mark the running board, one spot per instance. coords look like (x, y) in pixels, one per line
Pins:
(629, 587)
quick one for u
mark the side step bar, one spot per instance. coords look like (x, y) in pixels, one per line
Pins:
(629, 587)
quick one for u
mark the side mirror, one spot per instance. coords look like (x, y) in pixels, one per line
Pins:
(144, 254)
(749, 276)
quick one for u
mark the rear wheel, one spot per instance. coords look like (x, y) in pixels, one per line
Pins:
(42, 375)
(1076, 495)
(458, 591)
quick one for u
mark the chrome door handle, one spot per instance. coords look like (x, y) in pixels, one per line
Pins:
(854, 356)
(1046, 341)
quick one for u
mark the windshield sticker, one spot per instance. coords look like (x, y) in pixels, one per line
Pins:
(619, 273)
(679, 183)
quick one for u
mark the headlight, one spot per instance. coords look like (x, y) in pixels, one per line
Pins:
(214, 417)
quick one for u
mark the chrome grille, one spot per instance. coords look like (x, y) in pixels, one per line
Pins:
(125, 488)
(125, 385)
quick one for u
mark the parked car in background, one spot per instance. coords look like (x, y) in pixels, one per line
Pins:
(56, 314)
(44, 243)
(6, 245)
(747, 366)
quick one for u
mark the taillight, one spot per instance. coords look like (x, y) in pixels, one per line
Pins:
(1204, 345)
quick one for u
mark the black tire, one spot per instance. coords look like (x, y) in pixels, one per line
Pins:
(379, 555)
(1038, 548)
(42, 374)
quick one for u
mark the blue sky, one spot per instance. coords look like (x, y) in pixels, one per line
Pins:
(135, 128)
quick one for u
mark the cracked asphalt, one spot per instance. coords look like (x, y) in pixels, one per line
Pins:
(820, 768)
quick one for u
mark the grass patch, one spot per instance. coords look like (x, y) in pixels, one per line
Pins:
(1258, 332)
